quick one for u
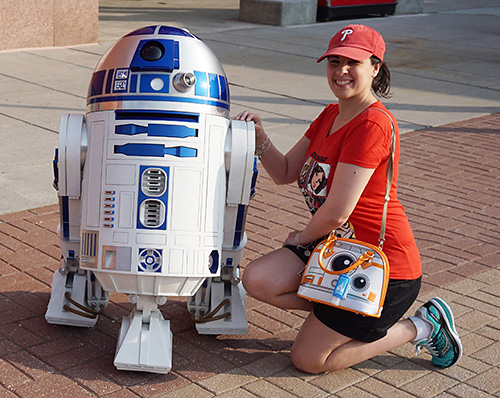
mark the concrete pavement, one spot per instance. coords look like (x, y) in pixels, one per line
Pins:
(446, 84)
(444, 66)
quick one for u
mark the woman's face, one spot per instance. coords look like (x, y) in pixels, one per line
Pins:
(316, 179)
(349, 78)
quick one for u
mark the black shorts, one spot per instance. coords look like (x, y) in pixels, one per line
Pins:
(400, 295)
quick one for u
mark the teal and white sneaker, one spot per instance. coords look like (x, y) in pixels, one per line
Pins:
(443, 343)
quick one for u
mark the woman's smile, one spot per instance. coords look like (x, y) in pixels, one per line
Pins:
(343, 82)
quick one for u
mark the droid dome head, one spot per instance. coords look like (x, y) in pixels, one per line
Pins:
(159, 67)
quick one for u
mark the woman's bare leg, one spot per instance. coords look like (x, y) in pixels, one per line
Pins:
(318, 348)
(275, 278)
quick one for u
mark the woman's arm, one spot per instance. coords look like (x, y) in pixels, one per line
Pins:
(283, 169)
(349, 182)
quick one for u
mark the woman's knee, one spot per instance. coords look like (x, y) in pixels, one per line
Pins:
(318, 348)
(272, 275)
(308, 363)
(302, 362)
(252, 279)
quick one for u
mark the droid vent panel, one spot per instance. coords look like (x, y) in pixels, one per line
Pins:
(154, 182)
(152, 213)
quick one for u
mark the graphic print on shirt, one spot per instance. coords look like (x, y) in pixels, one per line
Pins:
(346, 231)
(312, 181)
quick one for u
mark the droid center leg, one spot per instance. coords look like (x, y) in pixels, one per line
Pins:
(145, 341)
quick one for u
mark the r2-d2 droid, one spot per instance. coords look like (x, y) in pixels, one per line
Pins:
(154, 182)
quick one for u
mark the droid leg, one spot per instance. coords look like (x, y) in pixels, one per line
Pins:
(219, 306)
(145, 342)
(76, 297)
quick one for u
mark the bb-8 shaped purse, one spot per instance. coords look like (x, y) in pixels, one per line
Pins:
(348, 273)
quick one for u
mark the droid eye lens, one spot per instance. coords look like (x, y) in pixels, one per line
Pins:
(152, 51)
(342, 262)
(360, 283)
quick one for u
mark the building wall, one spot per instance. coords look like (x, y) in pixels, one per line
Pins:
(47, 23)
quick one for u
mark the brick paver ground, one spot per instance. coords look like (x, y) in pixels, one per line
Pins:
(450, 186)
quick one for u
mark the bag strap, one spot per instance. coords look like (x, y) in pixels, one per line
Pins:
(389, 171)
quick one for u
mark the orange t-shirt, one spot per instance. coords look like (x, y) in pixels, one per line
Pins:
(365, 141)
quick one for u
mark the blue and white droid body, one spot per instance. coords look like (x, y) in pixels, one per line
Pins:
(154, 182)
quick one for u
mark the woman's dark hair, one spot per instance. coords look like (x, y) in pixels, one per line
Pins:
(382, 82)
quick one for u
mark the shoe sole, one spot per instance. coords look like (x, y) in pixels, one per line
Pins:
(449, 325)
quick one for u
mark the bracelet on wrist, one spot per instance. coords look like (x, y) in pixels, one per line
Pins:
(264, 147)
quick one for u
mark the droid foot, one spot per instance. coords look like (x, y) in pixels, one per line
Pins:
(227, 310)
(145, 342)
(67, 301)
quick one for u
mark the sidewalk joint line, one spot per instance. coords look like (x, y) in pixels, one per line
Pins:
(26, 122)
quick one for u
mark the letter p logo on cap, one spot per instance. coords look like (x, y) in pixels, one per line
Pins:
(346, 32)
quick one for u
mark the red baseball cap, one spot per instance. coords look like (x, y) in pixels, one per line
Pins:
(358, 42)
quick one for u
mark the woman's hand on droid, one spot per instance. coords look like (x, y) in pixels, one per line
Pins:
(260, 134)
